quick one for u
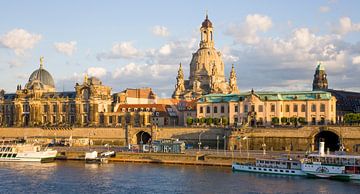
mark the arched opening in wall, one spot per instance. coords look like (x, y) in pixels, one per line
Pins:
(331, 139)
(26, 120)
(143, 137)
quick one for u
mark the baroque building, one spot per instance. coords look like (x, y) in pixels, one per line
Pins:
(263, 108)
(206, 70)
(39, 104)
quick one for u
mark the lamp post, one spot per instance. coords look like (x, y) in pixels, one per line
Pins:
(217, 144)
(199, 143)
(264, 146)
(224, 144)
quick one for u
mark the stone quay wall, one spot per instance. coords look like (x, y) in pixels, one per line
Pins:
(276, 139)
(293, 139)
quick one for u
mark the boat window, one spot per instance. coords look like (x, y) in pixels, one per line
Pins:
(295, 164)
(266, 162)
(270, 170)
(281, 171)
(277, 162)
(265, 169)
(292, 171)
(275, 170)
(286, 171)
(283, 163)
(249, 167)
(259, 168)
(254, 168)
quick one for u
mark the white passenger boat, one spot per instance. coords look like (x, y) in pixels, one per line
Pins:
(13, 152)
(339, 166)
(272, 166)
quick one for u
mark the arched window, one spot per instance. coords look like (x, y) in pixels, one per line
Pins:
(211, 35)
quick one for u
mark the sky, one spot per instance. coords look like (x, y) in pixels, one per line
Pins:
(274, 45)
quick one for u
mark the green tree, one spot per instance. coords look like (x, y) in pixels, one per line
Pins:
(225, 121)
(275, 120)
(284, 120)
(302, 120)
(209, 121)
(202, 120)
(216, 121)
(189, 121)
(293, 120)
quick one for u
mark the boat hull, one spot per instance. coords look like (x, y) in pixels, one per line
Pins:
(267, 170)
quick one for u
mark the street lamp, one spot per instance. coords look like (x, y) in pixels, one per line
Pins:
(224, 144)
(199, 143)
(217, 144)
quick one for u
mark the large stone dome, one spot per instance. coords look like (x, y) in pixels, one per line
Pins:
(43, 76)
(41, 79)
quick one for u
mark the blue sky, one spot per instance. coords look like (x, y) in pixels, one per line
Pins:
(274, 45)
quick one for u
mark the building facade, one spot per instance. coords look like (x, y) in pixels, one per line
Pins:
(263, 108)
(206, 70)
(39, 104)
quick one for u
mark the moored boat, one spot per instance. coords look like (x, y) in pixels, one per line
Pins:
(271, 166)
(13, 152)
(93, 157)
(338, 166)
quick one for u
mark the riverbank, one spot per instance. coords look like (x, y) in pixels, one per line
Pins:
(199, 159)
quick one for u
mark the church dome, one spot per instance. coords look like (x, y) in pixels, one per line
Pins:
(207, 23)
(43, 76)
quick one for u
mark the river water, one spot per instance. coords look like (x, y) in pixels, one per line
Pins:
(77, 177)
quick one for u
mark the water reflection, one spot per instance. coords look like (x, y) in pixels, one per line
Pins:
(78, 177)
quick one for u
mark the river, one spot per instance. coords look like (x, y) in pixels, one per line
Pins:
(77, 177)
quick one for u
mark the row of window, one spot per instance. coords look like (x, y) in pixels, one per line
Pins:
(295, 108)
(222, 109)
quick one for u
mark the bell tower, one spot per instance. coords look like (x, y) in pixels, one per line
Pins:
(207, 36)
(320, 78)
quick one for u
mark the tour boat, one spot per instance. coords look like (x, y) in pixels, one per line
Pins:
(272, 166)
(25, 153)
(332, 165)
(346, 166)
(350, 163)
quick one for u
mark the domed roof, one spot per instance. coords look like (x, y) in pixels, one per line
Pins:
(42, 76)
(207, 23)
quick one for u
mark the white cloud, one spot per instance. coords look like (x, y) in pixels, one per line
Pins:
(67, 48)
(20, 40)
(247, 32)
(96, 72)
(120, 50)
(324, 9)
(165, 50)
(160, 31)
(130, 69)
(141, 71)
(356, 60)
(346, 25)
